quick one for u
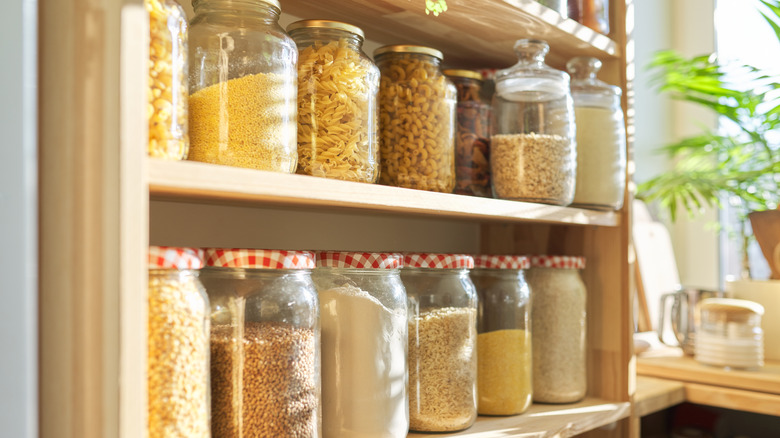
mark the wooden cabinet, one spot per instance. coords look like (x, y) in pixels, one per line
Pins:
(103, 201)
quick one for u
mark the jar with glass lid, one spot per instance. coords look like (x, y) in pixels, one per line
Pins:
(363, 318)
(178, 345)
(504, 339)
(442, 341)
(417, 120)
(243, 86)
(601, 137)
(338, 86)
(558, 328)
(265, 337)
(472, 144)
(168, 84)
(532, 147)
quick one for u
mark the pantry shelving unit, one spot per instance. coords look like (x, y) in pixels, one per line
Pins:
(102, 202)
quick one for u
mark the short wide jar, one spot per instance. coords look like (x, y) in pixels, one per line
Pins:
(364, 336)
(178, 345)
(558, 328)
(504, 340)
(265, 338)
(442, 341)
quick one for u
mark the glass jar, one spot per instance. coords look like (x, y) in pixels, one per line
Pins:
(168, 88)
(558, 328)
(504, 339)
(416, 119)
(243, 85)
(601, 137)
(265, 337)
(364, 337)
(338, 86)
(472, 144)
(591, 13)
(532, 149)
(178, 345)
(730, 333)
(442, 341)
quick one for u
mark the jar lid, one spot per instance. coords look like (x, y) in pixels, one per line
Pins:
(486, 261)
(731, 307)
(470, 74)
(438, 261)
(359, 260)
(561, 262)
(408, 48)
(259, 258)
(326, 24)
(168, 257)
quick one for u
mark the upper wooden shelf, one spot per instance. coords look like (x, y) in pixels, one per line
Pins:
(471, 33)
(199, 182)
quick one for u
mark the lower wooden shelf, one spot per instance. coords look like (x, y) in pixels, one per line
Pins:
(542, 420)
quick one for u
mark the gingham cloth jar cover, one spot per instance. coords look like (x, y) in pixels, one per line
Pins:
(259, 258)
(438, 261)
(167, 257)
(359, 260)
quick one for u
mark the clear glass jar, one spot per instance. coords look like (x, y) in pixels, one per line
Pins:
(558, 328)
(338, 86)
(442, 341)
(364, 343)
(532, 148)
(243, 86)
(168, 88)
(504, 340)
(416, 119)
(472, 144)
(265, 338)
(178, 345)
(601, 137)
(730, 333)
(591, 13)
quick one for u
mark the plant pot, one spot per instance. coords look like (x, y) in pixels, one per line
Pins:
(766, 293)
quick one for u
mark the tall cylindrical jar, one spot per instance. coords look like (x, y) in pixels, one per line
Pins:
(416, 119)
(178, 345)
(442, 341)
(504, 339)
(472, 143)
(532, 149)
(364, 342)
(243, 86)
(168, 86)
(338, 86)
(601, 137)
(558, 328)
(265, 338)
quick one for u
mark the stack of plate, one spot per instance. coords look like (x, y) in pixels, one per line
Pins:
(730, 334)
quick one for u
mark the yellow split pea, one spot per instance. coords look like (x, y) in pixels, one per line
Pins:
(504, 372)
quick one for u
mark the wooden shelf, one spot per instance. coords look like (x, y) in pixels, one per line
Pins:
(653, 395)
(198, 182)
(546, 421)
(472, 33)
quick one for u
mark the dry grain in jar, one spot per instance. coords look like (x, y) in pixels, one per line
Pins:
(505, 374)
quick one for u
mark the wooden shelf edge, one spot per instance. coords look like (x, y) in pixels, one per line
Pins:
(546, 421)
(198, 182)
(653, 395)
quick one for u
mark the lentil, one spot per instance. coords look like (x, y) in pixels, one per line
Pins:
(178, 357)
(243, 122)
(277, 366)
(504, 371)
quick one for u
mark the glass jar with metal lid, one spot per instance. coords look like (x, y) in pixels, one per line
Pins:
(168, 84)
(364, 337)
(243, 86)
(532, 148)
(178, 345)
(338, 85)
(558, 328)
(601, 137)
(442, 341)
(472, 143)
(504, 339)
(265, 337)
(416, 119)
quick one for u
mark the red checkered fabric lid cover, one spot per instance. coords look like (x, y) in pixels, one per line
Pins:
(564, 262)
(259, 258)
(168, 257)
(359, 260)
(438, 261)
(501, 261)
